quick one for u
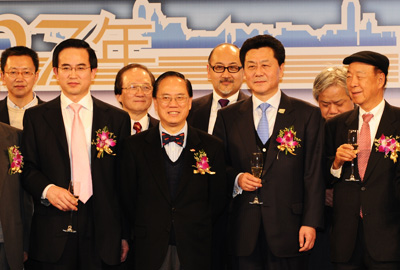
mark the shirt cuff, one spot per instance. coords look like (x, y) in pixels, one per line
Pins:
(236, 189)
(336, 172)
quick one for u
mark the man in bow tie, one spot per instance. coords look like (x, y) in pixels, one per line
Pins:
(173, 184)
(274, 234)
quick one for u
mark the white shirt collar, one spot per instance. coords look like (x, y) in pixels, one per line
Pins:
(274, 101)
(86, 101)
(184, 130)
(32, 103)
(231, 99)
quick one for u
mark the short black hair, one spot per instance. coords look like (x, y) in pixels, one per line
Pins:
(19, 51)
(75, 43)
(172, 74)
(261, 41)
(118, 78)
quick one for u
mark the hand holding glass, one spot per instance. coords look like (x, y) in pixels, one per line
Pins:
(352, 140)
(256, 164)
(73, 188)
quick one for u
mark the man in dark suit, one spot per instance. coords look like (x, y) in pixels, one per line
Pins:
(133, 88)
(275, 230)
(49, 143)
(366, 220)
(19, 73)
(226, 75)
(174, 184)
(15, 210)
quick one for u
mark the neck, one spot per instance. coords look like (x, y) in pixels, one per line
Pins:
(265, 96)
(172, 129)
(21, 101)
(137, 116)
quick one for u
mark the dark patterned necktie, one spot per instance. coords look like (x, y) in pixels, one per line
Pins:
(166, 138)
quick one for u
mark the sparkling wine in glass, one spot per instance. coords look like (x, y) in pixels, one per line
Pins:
(352, 139)
(73, 188)
(256, 164)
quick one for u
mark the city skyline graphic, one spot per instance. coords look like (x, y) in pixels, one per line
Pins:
(164, 43)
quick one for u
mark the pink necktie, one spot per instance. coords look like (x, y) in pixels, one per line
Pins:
(364, 145)
(81, 174)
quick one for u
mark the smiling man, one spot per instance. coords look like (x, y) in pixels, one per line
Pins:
(275, 231)
(366, 220)
(133, 89)
(58, 149)
(226, 75)
(173, 183)
(19, 73)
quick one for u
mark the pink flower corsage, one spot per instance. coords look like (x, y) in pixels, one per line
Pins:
(16, 160)
(202, 165)
(288, 141)
(386, 145)
(104, 141)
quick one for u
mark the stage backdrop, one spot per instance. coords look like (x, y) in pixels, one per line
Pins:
(179, 35)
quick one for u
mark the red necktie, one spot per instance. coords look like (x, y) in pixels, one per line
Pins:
(81, 174)
(364, 145)
(137, 127)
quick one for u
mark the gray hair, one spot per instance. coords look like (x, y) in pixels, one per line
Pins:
(331, 76)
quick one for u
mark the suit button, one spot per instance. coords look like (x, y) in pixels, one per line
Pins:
(363, 188)
(264, 150)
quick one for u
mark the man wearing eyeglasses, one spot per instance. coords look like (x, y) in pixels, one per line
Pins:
(173, 184)
(226, 75)
(133, 89)
(64, 140)
(19, 73)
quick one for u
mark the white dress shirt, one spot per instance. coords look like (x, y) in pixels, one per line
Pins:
(144, 122)
(86, 115)
(271, 112)
(172, 149)
(215, 106)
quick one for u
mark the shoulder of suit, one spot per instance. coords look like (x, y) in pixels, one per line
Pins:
(9, 129)
(204, 136)
(202, 99)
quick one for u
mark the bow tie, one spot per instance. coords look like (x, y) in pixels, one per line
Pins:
(166, 138)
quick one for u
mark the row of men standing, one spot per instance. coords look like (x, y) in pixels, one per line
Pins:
(169, 208)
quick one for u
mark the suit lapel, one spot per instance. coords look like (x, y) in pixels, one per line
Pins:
(285, 118)
(4, 115)
(203, 114)
(100, 120)
(244, 125)
(386, 127)
(154, 159)
(54, 119)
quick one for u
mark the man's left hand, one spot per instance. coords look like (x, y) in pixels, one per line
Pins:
(307, 237)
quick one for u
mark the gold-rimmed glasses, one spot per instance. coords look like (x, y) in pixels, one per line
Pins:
(133, 88)
(166, 99)
(15, 73)
(78, 69)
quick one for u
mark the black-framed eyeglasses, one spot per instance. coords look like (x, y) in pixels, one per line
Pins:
(221, 68)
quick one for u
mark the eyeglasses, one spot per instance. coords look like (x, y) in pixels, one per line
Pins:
(166, 100)
(221, 68)
(68, 69)
(134, 88)
(13, 74)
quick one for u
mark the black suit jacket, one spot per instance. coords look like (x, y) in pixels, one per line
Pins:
(199, 199)
(47, 162)
(378, 194)
(4, 117)
(199, 116)
(293, 192)
(15, 206)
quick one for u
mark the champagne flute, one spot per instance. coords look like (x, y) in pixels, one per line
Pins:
(73, 188)
(256, 163)
(352, 139)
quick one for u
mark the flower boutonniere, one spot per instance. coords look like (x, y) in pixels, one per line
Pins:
(104, 141)
(202, 165)
(16, 160)
(288, 141)
(386, 144)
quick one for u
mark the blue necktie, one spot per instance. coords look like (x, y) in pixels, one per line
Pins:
(263, 127)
